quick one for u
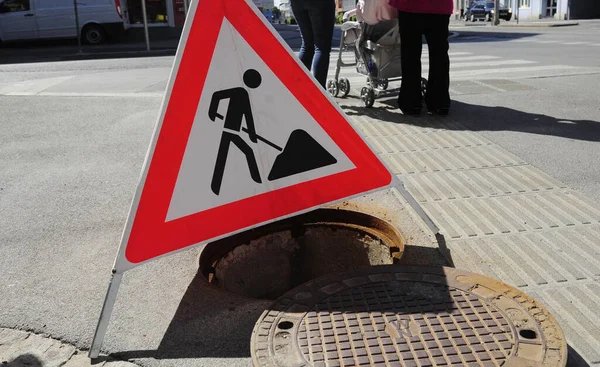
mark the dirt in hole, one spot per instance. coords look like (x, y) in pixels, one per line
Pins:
(271, 265)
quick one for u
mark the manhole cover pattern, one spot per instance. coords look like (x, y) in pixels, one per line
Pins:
(349, 328)
(407, 316)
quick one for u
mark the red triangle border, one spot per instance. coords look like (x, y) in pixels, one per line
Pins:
(151, 236)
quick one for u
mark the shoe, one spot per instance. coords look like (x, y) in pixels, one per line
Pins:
(439, 111)
(411, 111)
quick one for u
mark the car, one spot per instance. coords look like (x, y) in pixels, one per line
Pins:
(41, 19)
(484, 10)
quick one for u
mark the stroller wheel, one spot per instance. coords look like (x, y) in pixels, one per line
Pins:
(383, 84)
(344, 86)
(423, 86)
(333, 87)
(368, 96)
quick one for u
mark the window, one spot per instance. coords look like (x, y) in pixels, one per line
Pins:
(9, 6)
(156, 11)
(525, 3)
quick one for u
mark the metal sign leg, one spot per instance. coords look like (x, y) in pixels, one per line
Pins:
(399, 185)
(145, 18)
(109, 302)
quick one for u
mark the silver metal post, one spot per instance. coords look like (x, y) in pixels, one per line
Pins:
(496, 12)
(77, 26)
(146, 25)
(518, 7)
(399, 185)
(109, 302)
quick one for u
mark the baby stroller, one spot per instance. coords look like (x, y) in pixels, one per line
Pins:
(377, 56)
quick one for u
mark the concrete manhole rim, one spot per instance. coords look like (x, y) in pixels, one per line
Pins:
(337, 218)
(524, 314)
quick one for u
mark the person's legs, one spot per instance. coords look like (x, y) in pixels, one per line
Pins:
(322, 16)
(307, 50)
(250, 159)
(436, 33)
(411, 42)
(217, 178)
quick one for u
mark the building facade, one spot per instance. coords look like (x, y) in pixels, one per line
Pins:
(285, 7)
(166, 13)
(540, 9)
(263, 4)
(341, 6)
(160, 13)
(344, 5)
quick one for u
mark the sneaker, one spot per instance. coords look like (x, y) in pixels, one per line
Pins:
(411, 111)
(439, 111)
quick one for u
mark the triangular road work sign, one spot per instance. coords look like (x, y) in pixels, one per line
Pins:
(245, 137)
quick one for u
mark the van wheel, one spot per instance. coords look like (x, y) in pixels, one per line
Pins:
(93, 34)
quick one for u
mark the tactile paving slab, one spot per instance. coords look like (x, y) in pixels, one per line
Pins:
(407, 316)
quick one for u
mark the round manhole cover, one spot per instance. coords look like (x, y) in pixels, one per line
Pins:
(407, 316)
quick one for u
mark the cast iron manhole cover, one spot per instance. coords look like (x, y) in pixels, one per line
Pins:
(407, 316)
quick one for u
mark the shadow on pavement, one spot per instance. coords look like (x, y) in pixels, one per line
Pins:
(24, 360)
(211, 323)
(575, 360)
(26, 52)
(50, 50)
(466, 36)
(483, 118)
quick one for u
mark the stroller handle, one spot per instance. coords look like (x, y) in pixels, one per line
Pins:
(348, 14)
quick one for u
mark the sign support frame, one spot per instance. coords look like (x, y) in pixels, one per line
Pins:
(119, 268)
(398, 184)
(107, 308)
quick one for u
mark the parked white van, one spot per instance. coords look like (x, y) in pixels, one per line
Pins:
(37, 19)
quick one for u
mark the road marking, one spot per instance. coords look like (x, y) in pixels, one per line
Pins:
(85, 94)
(469, 58)
(457, 53)
(574, 43)
(512, 70)
(32, 87)
(549, 41)
(489, 86)
(456, 65)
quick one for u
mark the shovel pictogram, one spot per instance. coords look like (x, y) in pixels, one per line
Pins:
(302, 153)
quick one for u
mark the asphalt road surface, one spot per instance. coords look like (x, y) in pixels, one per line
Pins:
(72, 143)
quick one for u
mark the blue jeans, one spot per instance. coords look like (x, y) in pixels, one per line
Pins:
(316, 19)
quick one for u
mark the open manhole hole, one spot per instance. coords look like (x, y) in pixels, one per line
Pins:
(268, 261)
(407, 316)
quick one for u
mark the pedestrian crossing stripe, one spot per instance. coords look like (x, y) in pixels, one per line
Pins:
(245, 137)
(467, 66)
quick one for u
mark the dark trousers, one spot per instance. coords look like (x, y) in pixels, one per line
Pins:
(226, 140)
(316, 19)
(435, 28)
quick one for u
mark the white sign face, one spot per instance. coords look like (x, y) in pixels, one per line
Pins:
(224, 161)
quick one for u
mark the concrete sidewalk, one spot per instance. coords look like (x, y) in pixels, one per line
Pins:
(24, 349)
(132, 44)
(67, 50)
(500, 216)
